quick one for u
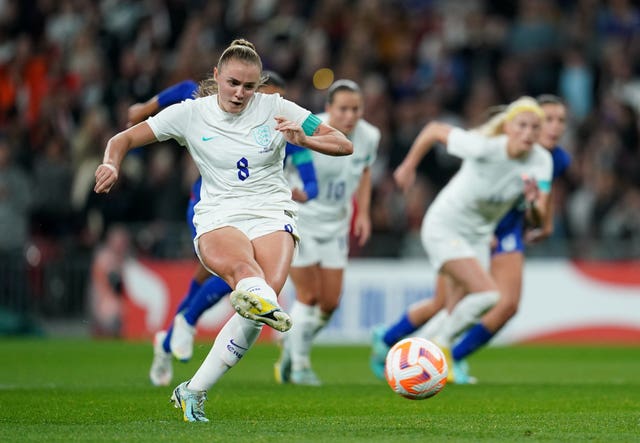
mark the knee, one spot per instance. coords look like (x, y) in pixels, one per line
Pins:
(328, 307)
(508, 307)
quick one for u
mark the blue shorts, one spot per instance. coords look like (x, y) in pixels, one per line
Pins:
(193, 200)
(510, 233)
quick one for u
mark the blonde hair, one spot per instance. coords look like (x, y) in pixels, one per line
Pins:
(495, 125)
(239, 49)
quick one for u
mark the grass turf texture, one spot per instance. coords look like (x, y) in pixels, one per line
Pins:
(61, 390)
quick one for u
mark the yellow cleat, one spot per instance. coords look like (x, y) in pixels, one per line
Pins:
(254, 307)
(447, 356)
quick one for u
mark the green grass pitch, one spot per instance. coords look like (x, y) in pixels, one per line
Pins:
(75, 390)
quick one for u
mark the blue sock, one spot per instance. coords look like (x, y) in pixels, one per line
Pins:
(194, 287)
(399, 330)
(212, 290)
(475, 338)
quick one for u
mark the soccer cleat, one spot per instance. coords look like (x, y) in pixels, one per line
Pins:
(191, 402)
(305, 377)
(379, 350)
(461, 374)
(161, 371)
(254, 307)
(181, 341)
(282, 368)
(451, 378)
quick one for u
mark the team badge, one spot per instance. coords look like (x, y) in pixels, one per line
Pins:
(262, 135)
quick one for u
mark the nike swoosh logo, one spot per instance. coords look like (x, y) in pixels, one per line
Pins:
(238, 346)
(206, 139)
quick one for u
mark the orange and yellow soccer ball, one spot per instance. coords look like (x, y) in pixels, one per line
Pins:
(416, 368)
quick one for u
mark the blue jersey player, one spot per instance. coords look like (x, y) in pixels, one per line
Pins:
(206, 290)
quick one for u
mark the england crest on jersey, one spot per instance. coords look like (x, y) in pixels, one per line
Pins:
(262, 135)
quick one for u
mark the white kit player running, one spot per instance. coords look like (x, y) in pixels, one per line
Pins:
(245, 221)
(317, 270)
(500, 164)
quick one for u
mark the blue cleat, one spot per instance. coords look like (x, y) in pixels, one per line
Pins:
(461, 375)
(191, 402)
(305, 377)
(379, 350)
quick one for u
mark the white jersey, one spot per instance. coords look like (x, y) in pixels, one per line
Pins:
(239, 155)
(327, 215)
(487, 185)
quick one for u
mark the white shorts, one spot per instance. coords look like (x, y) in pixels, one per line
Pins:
(254, 227)
(443, 244)
(330, 253)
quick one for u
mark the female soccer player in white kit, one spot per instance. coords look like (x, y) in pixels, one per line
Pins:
(246, 220)
(507, 260)
(498, 167)
(317, 271)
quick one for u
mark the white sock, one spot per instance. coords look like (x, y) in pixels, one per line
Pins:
(259, 287)
(465, 314)
(233, 341)
(431, 328)
(322, 318)
(300, 336)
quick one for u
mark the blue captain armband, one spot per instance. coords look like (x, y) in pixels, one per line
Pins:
(544, 186)
(310, 125)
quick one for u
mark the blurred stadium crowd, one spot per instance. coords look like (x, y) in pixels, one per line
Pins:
(70, 68)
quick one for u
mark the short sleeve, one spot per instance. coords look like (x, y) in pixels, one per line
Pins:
(375, 144)
(298, 114)
(543, 170)
(468, 144)
(172, 122)
(561, 161)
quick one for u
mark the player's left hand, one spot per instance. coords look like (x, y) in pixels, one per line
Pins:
(362, 229)
(292, 132)
(106, 177)
(299, 195)
(531, 191)
(533, 236)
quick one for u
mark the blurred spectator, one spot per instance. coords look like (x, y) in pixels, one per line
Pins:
(69, 70)
(15, 199)
(15, 202)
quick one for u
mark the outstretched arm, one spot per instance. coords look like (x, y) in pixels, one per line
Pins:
(362, 225)
(544, 218)
(324, 139)
(303, 161)
(433, 132)
(117, 147)
(173, 94)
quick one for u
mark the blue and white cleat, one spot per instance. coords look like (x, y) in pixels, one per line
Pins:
(191, 402)
(254, 307)
(305, 377)
(181, 341)
(461, 374)
(379, 350)
(161, 371)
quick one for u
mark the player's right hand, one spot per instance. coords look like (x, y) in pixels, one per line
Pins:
(404, 176)
(136, 113)
(106, 177)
